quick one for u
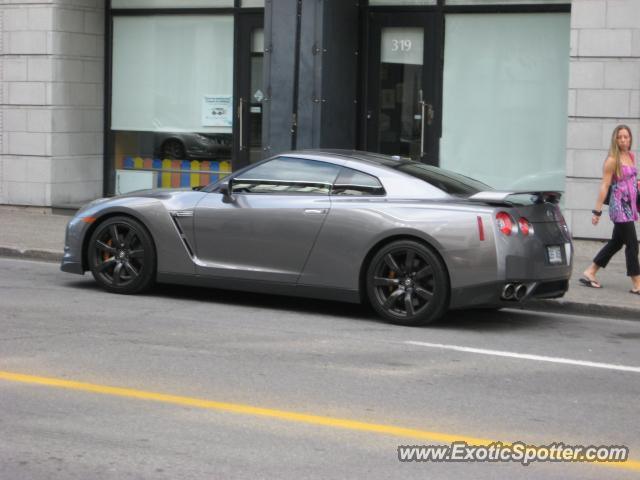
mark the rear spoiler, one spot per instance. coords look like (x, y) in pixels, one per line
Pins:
(495, 196)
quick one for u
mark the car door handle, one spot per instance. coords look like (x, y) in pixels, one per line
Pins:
(315, 211)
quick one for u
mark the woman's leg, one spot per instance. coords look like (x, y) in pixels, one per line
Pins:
(612, 246)
(604, 255)
(628, 231)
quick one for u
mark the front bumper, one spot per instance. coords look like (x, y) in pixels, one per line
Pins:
(74, 235)
(71, 266)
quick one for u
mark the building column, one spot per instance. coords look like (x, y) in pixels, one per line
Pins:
(310, 76)
(51, 103)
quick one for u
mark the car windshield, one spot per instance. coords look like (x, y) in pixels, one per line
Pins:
(447, 181)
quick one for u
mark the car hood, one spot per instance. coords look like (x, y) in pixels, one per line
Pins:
(173, 199)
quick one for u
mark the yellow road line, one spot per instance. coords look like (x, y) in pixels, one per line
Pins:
(343, 423)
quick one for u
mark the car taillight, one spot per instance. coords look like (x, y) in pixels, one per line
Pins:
(505, 223)
(525, 227)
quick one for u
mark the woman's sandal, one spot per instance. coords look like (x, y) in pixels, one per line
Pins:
(592, 283)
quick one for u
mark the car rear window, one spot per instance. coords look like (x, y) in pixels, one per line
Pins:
(445, 180)
(355, 183)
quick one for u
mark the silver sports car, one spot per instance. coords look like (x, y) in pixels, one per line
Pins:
(411, 239)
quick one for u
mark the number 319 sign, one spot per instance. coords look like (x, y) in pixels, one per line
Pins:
(402, 45)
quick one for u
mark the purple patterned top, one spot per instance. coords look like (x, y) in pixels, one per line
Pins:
(624, 191)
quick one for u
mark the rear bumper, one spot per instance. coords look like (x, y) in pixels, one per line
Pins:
(549, 289)
(490, 294)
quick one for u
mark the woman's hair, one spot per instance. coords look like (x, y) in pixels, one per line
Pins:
(614, 150)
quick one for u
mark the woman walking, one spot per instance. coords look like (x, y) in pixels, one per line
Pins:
(620, 173)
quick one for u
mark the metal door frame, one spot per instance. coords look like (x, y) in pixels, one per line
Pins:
(432, 22)
(245, 24)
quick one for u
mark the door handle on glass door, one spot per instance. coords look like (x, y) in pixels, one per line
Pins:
(430, 114)
(240, 111)
(426, 112)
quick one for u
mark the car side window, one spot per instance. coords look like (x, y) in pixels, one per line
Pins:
(356, 184)
(287, 175)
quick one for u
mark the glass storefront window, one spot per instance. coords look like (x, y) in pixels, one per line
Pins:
(401, 66)
(171, 3)
(506, 2)
(374, 3)
(172, 99)
(505, 98)
(252, 3)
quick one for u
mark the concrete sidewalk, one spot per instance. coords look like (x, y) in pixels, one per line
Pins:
(37, 233)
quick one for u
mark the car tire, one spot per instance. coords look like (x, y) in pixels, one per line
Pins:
(121, 256)
(173, 148)
(407, 283)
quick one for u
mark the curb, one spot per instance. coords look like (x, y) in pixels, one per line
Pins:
(569, 307)
(31, 253)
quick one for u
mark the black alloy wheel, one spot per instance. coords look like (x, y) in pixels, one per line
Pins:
(121, 256)
(173, 148)
(407, 283)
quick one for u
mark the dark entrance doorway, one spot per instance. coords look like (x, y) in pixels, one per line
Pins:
(403, 94)
(249, 89)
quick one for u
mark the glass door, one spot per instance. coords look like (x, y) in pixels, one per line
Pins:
(402, 112)
(250, 90)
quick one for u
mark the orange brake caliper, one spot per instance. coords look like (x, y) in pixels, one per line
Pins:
(105, 255)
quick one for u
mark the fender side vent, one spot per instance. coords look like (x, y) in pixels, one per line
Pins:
(175, 216)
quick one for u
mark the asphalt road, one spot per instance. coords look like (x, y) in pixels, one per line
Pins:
(254, 361)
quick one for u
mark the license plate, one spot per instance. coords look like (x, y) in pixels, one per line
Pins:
(555, 254)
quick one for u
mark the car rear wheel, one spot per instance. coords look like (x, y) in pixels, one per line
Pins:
(407, 283)
(173, 148)
(121, 256)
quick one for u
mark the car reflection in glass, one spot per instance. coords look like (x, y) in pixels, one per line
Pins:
(191, 146)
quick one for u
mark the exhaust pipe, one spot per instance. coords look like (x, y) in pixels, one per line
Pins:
(508, 291)
(520, 292)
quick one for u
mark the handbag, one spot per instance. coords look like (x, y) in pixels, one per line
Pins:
(608, 197)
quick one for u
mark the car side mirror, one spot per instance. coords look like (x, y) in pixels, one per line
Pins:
(226, 190)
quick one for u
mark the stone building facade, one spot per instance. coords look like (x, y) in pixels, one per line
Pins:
(604, 91)
(52, 100)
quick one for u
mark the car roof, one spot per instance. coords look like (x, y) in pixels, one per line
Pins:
(357, 155)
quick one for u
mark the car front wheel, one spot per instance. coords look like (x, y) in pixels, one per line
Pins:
(407, 283)
(122, 256)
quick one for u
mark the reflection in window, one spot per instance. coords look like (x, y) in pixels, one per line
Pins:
(354, 183)
(401, 59)
(284, 175)
(171, 108)
(450, 182)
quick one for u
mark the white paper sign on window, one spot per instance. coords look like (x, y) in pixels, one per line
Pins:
(217, 111)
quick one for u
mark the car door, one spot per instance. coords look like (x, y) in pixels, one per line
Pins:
(264, 229)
